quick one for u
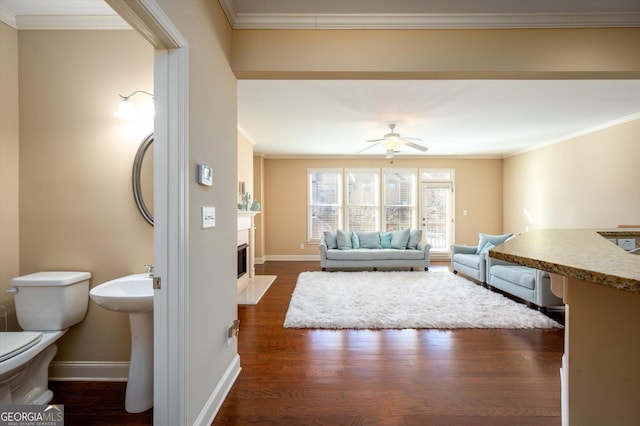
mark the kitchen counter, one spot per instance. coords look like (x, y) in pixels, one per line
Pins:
(584, 254)
(600, 285)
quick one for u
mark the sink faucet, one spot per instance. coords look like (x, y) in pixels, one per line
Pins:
(150, 269)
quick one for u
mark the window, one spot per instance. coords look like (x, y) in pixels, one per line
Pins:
(363, 200)
(364, 203)
(400, 199)
(325, 201)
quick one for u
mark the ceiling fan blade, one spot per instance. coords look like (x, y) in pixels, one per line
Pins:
(411, 139)
(369, 147)
(416, 146)
(376, 140)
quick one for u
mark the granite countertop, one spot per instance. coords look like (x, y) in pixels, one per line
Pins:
(585, 254)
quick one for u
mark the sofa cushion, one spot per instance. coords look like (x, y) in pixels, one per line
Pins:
(355, 241)
(369, 240)
(493, 239)
(385, 239)
(375, 254)
(344, 240)
(330, 239)
(414, 238)
(519, 275)
(470, 260)
(399, 239)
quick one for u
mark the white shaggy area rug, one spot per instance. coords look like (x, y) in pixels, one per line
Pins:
(434, 299)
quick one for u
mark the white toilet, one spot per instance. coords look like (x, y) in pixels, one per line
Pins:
(47, 304)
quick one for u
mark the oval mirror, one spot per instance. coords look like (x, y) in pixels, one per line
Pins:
(142, 178)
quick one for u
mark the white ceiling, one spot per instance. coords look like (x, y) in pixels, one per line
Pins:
(485, 118)
(461, 117)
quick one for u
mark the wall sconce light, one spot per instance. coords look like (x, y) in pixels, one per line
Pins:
(128, 111)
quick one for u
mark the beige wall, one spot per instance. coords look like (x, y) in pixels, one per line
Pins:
(590, 181)
(245, 165)
(258, 189)
(76, 206)
(9, 162)
(405, 54)
(212, 259)
(478, 189)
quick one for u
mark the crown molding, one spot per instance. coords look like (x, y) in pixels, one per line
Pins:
(8, 17)
(427, 21)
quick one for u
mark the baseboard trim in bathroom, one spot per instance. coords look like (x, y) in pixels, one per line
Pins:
(95, 371)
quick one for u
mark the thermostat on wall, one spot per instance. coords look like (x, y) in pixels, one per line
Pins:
(205, 174)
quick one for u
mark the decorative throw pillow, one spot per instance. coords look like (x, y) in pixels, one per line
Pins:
(399, 239)
(330, 239)
(493, 239)
(385, 239)
(344, 240)
(414, 238)
(355, 241)
(487, 247)
(369, 240)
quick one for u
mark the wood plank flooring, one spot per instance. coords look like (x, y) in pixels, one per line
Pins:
(386, 377)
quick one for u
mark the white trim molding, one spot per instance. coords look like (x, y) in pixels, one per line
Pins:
(217, 397)
(292, 258)
(427, 20)
(95, 371)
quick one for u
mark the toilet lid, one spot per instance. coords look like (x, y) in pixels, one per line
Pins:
(13, 343)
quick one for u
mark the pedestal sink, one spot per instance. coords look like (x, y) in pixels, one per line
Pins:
(133, 294)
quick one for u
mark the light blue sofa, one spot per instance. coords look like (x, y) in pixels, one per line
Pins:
(531, 285)
(472, 260)
(373, 250)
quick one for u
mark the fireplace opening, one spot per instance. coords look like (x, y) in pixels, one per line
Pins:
(242, 260)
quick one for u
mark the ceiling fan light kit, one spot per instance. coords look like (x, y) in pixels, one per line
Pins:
(392, 141)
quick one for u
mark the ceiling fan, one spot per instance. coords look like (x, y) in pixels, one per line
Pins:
(392, 141)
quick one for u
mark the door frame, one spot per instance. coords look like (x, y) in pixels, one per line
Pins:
(171, 205)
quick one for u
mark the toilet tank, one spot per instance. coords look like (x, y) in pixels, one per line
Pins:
(54, 300)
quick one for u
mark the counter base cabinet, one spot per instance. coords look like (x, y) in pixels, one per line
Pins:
(601, 365)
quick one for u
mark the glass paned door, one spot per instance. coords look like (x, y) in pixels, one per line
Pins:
(436, 215)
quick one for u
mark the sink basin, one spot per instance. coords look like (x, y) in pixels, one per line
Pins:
(132, 293)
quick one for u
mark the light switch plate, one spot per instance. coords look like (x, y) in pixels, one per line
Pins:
(627, 243)
(208, 217)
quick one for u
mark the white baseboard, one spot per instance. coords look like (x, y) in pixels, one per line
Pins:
(211, 408)
(89, 371)
(259, 260)
(293, 257)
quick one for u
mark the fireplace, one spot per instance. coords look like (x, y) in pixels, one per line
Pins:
(242, 259)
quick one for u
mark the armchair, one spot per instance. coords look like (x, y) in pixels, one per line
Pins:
(465, 259)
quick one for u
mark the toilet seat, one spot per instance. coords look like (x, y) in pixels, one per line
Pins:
(14, 343)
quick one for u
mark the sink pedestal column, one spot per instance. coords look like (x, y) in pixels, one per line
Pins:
(139, 396)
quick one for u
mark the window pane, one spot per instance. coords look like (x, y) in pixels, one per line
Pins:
(363, 219)
(323, 218)
(363, 195)
(325, 202)
(325, 188)
(437, 174)
(398, 218)
(400, 191)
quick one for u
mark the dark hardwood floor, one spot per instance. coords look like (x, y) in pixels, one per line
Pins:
(359, 377)
(387, 377)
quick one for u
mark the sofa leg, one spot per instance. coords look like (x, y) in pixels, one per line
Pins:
(375, 269)
(324, 269)
(426, 268)
(455, 272)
